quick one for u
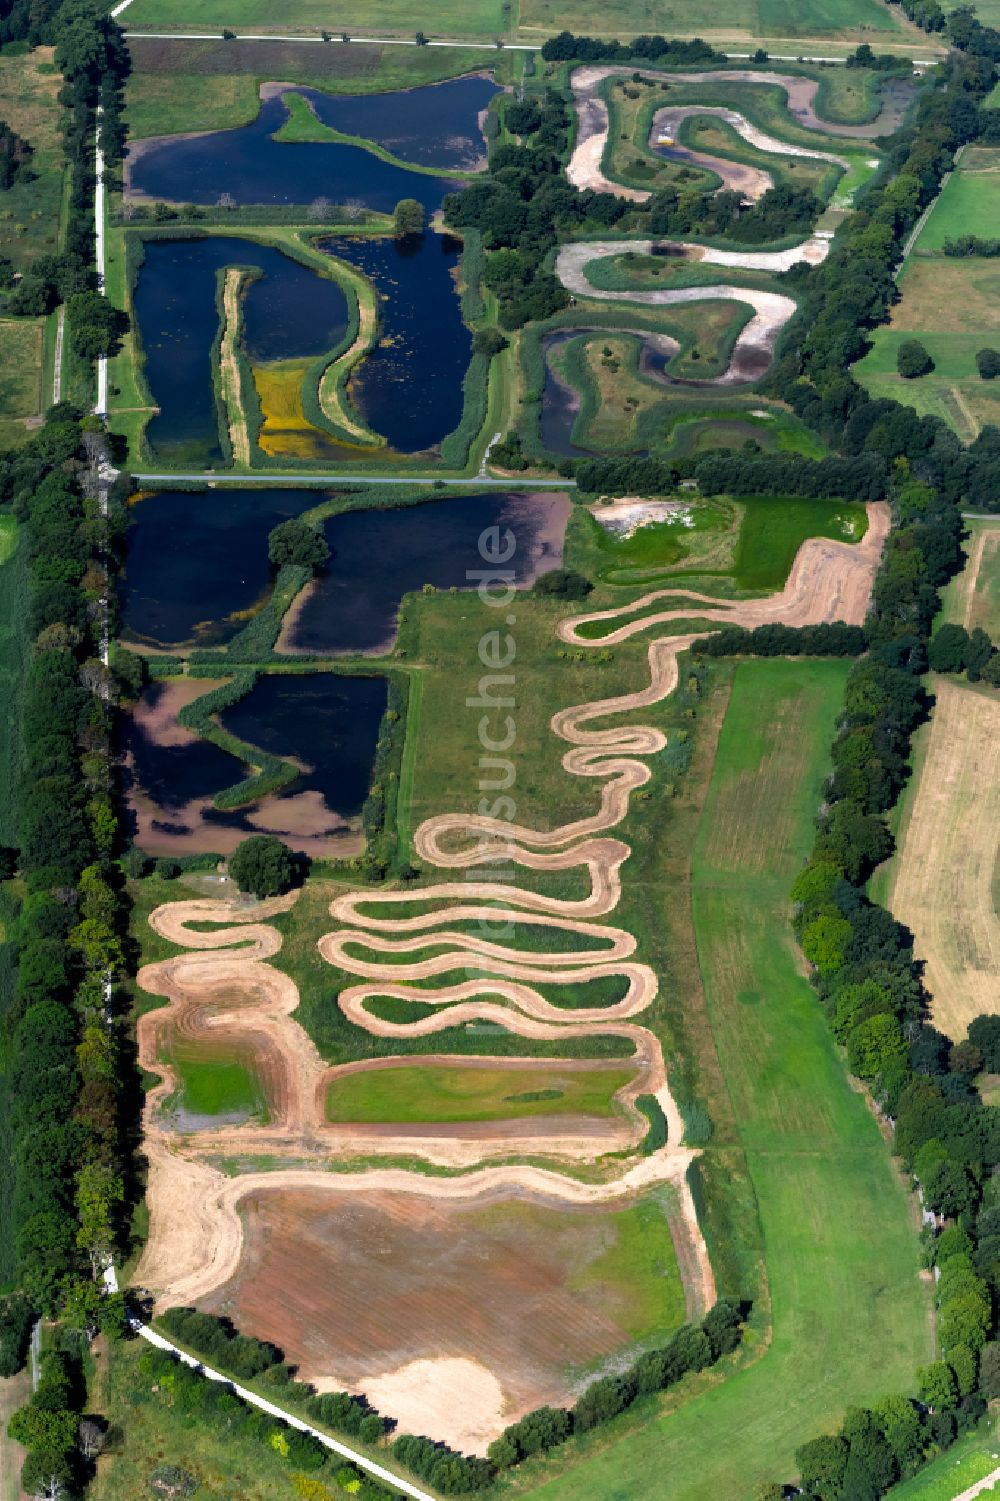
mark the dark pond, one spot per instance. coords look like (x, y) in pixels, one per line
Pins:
(410, 386)
(328, 723)
(288, 312)
(252, 168)
(560, 404)
(378, 556)
(197, 559)
(437, 126)
(561, 400)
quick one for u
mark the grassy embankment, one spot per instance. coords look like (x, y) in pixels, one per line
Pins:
(952, 305)
(269, 404)
(953, 1472)
(849, 1317)
(629, 158)
(215, 85)
(622, 409)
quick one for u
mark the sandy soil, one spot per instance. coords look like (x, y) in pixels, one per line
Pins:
(667, 121)
(943, 874)
(239, 435)
(754, 347)
(197, 1233)
(584, 168)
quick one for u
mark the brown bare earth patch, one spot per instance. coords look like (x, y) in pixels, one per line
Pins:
(408, 1280)
(943, 881)
(428, 1267)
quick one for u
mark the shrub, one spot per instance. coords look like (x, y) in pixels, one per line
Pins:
(988, 363)
(299, 544)
(263, 865)
(912, 360)
(563, 583)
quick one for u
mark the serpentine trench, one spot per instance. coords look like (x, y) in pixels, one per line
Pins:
(754, 346)
(226, 986)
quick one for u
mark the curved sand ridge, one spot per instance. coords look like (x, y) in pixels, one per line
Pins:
(584, 168)
(196, 1235)
(755, 343)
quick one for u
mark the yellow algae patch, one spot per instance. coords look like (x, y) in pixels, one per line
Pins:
(286, 430)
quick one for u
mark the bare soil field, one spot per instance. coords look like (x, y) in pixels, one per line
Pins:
(942, 885)
(521, 1291)
(211, 1237)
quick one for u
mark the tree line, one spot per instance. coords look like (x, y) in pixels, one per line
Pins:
(91, 55)
(854, 288)
(871, 989)
(656, 49)
(691, 1348)
(65, 1070)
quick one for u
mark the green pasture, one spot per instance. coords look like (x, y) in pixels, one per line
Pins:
(982, 607)
(449, 1094)
(774, 528)
(641, 1267)
(177, 86)
(480, 18)
(763, 534)
(751, 18)
(31, 212)
(214, 1081)
(952, 391)
(969, 203)
(21, 361)
(850, 1317)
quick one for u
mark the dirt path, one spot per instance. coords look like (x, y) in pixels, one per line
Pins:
(196, 1235)
(754, 346)
(584, 168)
(943, 878)
(229, 366)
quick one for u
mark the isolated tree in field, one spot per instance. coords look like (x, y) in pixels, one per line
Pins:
(978, 652)
(988, 363)
(409, 217)
(912, 359)
(263, 865)
(296, 542)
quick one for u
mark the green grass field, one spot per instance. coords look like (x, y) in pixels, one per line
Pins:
(850, 1317)
(976, 602)
(214, 1081)
(21, 359)
(952, 305)
(971, 1460)
(761, 18)
(480, 18)
(969, 203)
(774, 528)
(31, 212)
(452, 1093)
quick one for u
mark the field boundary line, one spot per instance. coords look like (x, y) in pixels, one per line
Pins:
(397, 41)
(57, 357)
(144, 1331)
(331, 479)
